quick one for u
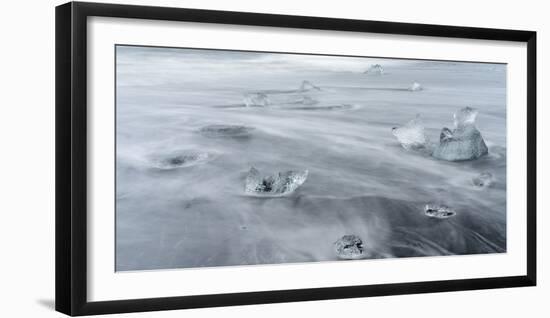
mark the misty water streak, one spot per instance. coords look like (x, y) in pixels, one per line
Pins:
(360, 180)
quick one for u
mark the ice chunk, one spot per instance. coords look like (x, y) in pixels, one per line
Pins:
(274, 185)
(349, 247)
(412, 135)
(256, 100)
(375, 69)
(181, 160)
(464, 142)
(308, 86)
(235, 131)
(483, 180)
(438, 211)
(465, 117)
(415, 87)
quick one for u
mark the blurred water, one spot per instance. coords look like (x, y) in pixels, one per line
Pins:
(361, 181)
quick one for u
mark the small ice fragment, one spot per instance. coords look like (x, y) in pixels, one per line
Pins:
(465, 116)
(278, 184)
(235, 131)
(375, 69)
(181, 160)
(464, 142)
(438, 211)
(483, 180)
(349, 247)
(412, 135)
(308, 86)
(307, 100)
(256, 100)
(415, 87)
(304, 100)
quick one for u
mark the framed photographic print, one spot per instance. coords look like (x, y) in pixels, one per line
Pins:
(210, 158)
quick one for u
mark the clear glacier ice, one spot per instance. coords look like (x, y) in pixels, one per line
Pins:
(465, 116)
(438, 211)
(278, 184)
(234, 131)
(412, 135)
(375, 69)
(483, 180)
(415, 87)
(464, 142)
(308, 86)
(349, 247)
(256, 100)
(181, 160)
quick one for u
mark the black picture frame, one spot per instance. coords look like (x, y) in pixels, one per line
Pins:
(71, 157)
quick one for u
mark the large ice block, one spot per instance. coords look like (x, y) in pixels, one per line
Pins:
(464, 142)
(412, 135)
(278, 184)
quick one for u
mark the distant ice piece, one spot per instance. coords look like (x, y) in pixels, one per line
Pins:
(307, 100)
(415, 87)
(464, 142)
(412, 135)
(181, 160)
(256, 100)
(375, 69)
(234, 131)
(308, 86)
(438, 211)
(465, 117)
(279, 184)
(315, 107)
(349, 247)
(483, 180)
(303, 100)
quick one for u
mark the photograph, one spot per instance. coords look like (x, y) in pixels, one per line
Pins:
(240, 158)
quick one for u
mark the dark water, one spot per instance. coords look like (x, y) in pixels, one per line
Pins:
(193, 211)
